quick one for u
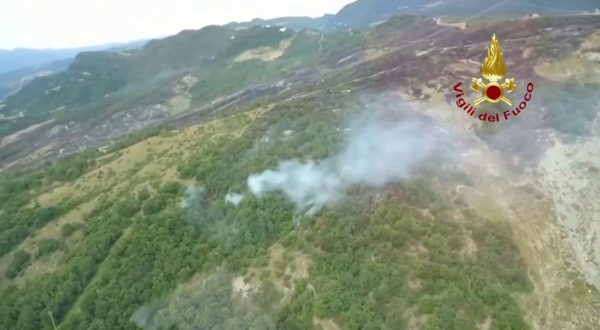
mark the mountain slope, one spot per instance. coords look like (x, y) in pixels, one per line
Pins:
(98, 84)
(358, 262)
(104, 95)
(346, 191)
(116, 81)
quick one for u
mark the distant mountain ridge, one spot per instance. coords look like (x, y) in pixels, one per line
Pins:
(21, 58)
(365, 13)
(196, 69)
(99, 83)
(12, 81)
(42, 62)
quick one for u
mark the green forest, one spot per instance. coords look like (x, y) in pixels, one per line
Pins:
(139, 259)
(126, 195)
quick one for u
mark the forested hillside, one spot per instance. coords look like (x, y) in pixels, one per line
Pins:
(277, 179)
(118, 248)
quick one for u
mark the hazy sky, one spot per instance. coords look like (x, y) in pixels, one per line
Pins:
(75, 23)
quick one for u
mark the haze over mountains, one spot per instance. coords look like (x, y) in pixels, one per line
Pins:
(19, 66)
(20, 58)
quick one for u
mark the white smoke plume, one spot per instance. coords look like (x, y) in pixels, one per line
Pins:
(208, 301)
(377, 152)
(234, 198)
(192, 197)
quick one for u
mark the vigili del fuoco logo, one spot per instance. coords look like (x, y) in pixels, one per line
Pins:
(491, 89)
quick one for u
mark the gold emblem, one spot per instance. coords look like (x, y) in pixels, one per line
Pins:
(493, 69)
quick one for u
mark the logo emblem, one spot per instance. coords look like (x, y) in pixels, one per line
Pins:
(493, 70)
(492, 89)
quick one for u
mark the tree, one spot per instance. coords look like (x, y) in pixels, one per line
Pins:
(21, 260)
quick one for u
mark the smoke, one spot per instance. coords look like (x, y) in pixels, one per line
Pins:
(193, 197)
(208, 301)
(377, 151)
(234, 198)
(197, 210)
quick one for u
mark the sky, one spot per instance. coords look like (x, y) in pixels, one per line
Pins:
(77, 23)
